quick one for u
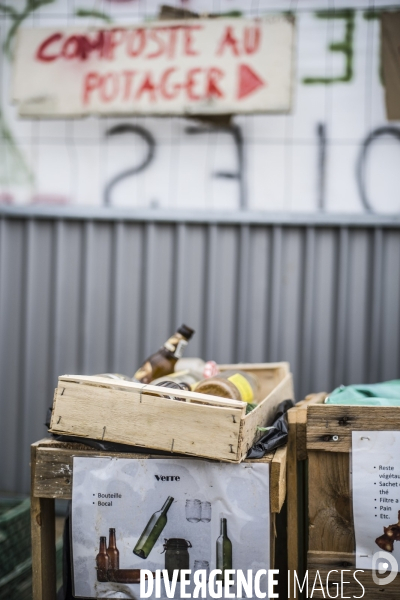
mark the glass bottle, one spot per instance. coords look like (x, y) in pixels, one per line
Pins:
(102, 562)
(152, 531)
(189, 378)
(163, 361)
(112, 551)
(224, 551)
(171, 385)
(236, 385)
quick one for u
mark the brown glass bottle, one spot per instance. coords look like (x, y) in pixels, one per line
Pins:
(163, 361)
(112, 551)
(102, 561)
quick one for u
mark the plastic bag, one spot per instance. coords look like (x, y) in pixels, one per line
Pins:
(374, 394)
(276, 435)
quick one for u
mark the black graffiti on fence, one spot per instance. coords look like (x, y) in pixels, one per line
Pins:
(151, 146)
(236, 133)
(362, 158)
(233, 130)
(321, 183)
(237, 136)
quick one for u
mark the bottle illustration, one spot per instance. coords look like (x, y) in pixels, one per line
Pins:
(152, 531)
(163, 361)
(224, 551)
(102, 562)
(112, 551)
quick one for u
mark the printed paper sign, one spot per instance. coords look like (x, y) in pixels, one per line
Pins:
(134, 514)
(376, 495)
(200, 66)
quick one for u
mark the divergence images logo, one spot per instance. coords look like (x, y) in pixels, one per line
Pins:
(384, 562)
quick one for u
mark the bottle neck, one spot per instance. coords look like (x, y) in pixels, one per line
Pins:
(112, 540)
(175, 345)
(224, 528)
(103, 546)
(167, 504)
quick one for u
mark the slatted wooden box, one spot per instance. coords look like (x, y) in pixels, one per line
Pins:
(331, 539)
(51, 479)
(202, 425)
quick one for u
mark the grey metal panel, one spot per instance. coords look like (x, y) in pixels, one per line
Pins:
(390, 338)
(322, 296)
(80, 294)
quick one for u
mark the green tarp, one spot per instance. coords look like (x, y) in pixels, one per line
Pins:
(375, 394)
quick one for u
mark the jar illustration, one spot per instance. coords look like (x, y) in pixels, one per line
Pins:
(176, 555)
(193, 510)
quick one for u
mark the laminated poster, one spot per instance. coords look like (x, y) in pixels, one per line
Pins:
(167, 514)
(376, 498)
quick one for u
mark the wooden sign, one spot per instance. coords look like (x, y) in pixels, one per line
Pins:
(197, 66)
(390, 52)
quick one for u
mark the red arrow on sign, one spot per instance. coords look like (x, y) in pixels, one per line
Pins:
(248, 81)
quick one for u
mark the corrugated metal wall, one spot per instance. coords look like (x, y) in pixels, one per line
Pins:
(88, 295)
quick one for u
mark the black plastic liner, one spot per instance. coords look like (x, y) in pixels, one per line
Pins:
(276, 436)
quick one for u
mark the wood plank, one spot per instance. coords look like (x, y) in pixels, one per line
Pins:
(331, 560)
(140, 388)
(331, 526)
(329, 427)
(296, 492)
(147, 421)
(301, 419)
(292, 494)
(264, 414)
(54, 466)
(43, 541)
(269, 375)
(278, 479)
(333, 567)
(272, 540)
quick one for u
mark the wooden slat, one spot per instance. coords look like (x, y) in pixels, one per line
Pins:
(272, 540)
(292, 494)
(263, 414)
(333, 564)
(297, 452)
(331, 560)
(327, 422)
(141, 388)
(54, 466)
(43, 541)
(269, 375)
(147, 421)
(278, 479)
(301, 420)
(330, 512)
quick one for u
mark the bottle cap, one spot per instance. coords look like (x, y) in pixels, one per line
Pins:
(186, 331)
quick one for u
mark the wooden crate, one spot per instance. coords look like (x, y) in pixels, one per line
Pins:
(331, 538)
(202, 425)
(51, 478)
